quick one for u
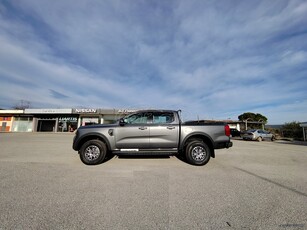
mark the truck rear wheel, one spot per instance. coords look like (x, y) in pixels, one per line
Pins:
(93, 152)
(198, 153)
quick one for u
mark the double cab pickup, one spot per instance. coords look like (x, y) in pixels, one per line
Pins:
(152, 132)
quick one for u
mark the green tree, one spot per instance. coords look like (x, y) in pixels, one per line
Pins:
(253, 117)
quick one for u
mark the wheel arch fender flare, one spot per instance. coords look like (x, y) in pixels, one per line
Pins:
(94, 136)
(202, 136)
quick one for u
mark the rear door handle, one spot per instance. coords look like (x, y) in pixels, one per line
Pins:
(171, 127)
(143, 128)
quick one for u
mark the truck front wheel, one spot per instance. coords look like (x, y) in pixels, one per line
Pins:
(198, 153)
(93, 152)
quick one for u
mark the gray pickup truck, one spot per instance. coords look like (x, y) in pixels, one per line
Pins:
(152, 132)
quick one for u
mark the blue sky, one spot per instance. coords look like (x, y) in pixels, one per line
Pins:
(212, 59)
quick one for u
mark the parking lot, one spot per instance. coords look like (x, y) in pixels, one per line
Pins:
(253, 185)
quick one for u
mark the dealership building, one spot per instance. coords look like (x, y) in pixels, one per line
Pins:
(56, 120)
(65, 120)
(68, 120)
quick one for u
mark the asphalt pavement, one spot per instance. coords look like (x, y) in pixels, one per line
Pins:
(253, 185)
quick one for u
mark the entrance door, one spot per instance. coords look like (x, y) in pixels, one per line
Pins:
(3, 127)
(46, 125)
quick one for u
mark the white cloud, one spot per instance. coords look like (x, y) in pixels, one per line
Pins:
(214, 59)
(294, 58)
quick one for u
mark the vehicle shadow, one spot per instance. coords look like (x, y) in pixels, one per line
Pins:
(107, 158)
(183, 159)
(178, 156)
(143, 157)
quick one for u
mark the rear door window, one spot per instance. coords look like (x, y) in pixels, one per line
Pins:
(163, 118)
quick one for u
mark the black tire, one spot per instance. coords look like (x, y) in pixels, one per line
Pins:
(93, 152)
(198, 153)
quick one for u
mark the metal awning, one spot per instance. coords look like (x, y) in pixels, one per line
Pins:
(304, 126)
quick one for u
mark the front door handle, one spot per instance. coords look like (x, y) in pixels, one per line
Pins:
(171, 127)
(143, 128)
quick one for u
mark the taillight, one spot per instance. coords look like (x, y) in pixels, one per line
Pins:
(227, 130)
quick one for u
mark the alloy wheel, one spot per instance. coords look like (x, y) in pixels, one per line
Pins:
(92, 153)
(198, 153)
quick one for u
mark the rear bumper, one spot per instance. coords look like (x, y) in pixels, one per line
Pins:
(223, 145)
(229, 144)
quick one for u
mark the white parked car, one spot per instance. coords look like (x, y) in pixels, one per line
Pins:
(258, 134)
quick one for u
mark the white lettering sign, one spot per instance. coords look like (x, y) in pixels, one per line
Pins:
(127, 110)
(86, 110)
(48, 111)
(71, 119)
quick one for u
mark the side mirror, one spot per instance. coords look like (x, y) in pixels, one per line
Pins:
(122, 122)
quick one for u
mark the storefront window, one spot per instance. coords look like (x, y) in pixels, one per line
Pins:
(23, 124)
(67, 124)
(90, 121)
